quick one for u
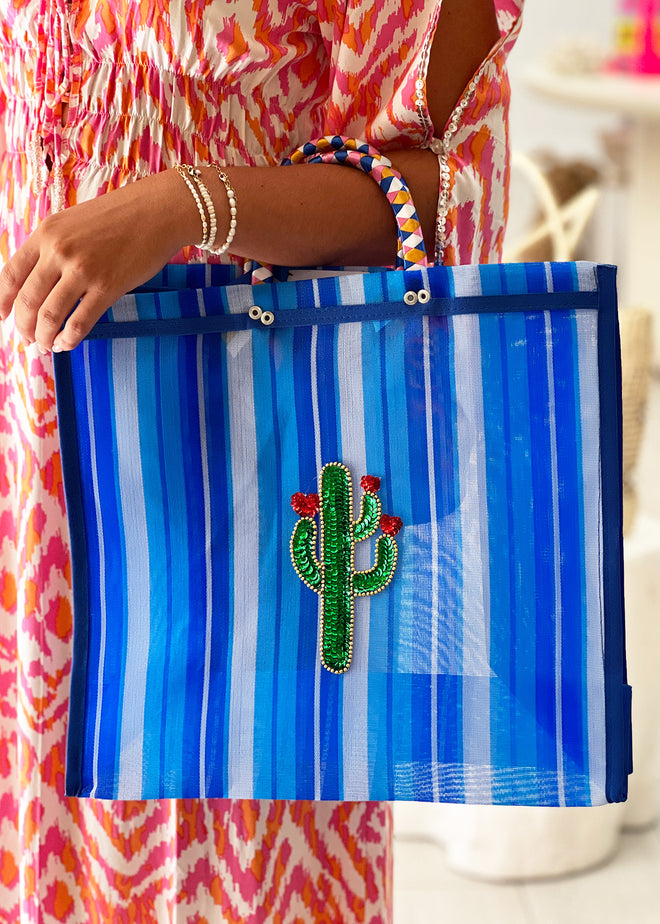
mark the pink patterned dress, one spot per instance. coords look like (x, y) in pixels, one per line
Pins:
(93, 93)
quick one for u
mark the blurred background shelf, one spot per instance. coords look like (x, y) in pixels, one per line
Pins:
(637, 99)
(627, 94)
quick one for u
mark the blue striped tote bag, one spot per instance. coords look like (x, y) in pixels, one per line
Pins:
(348, 538)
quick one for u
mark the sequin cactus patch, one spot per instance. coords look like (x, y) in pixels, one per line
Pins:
(334, 577)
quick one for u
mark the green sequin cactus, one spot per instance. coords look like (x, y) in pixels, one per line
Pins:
(334, 577)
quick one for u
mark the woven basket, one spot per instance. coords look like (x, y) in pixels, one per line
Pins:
(636, 350)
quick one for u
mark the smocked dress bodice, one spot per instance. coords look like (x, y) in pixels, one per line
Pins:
(95, 93)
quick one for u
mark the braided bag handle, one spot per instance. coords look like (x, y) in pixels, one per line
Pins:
(336, 149)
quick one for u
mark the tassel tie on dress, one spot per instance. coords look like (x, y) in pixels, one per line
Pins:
(51, 87)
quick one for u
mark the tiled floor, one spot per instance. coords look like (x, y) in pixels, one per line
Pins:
(626, 890)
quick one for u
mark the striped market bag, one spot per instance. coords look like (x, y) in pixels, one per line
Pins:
(349, 538)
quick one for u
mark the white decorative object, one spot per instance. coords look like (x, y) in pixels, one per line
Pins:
(642, 563)
(563, 223)
(577, 56)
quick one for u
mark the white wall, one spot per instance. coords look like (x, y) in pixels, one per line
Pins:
(565, 131)
(536, 124)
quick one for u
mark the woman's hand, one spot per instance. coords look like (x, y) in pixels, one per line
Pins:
(79, 261)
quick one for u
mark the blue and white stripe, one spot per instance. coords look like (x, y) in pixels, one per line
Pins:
(478, 673)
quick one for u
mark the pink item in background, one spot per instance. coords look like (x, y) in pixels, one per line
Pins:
(638, 37)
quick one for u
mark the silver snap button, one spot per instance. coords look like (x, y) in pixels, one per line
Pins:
(424, 296)
(410, 298)
(267, 318)
(255, 312)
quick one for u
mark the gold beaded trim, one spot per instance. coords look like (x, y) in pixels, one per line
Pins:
(441, 146)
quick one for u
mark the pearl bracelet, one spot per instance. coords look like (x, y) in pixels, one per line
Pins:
(208, 201)
(231, 201)
(193, 181)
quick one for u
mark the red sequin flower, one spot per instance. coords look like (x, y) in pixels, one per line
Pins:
(370, 483)
(390, 525)
(305, 505)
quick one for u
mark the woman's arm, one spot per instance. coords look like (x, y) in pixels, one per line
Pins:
(347, 220)
(300, 215)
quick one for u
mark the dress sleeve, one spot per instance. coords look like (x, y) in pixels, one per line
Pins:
(378, 60)
(379, 54)
(473, 151)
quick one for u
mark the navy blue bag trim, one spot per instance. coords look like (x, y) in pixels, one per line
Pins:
(617, 692)
(341, 314)
(69, 451)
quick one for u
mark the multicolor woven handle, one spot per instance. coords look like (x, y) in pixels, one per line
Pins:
(335, 149)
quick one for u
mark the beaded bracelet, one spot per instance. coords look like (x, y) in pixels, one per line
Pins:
(208, 201)
(231, 200)
(193, 181)
(200, 191)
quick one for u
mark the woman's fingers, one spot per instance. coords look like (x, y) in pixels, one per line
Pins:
(44, 300)
(40, 305)
(13, 277)
(78, 261)
(92, 305)
(56, 307)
